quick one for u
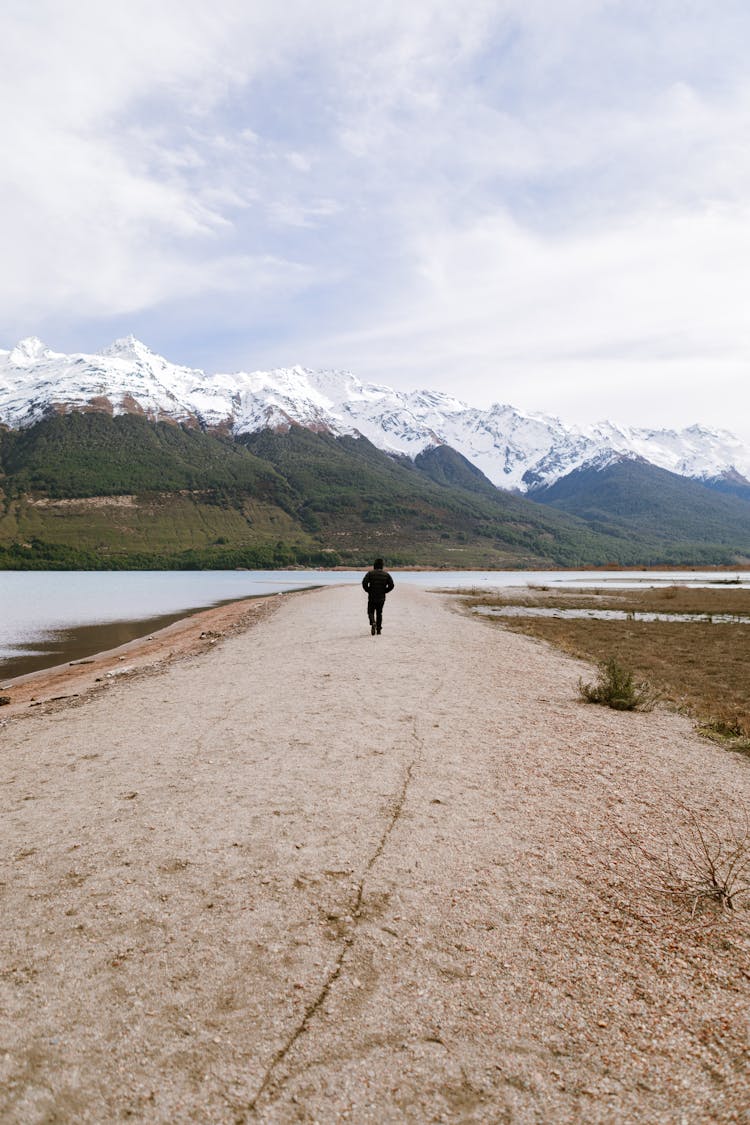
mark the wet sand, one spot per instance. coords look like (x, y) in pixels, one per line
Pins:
(68, 646)
(187, 636)
(305, 874)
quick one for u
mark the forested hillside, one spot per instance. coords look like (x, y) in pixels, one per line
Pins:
(89, 490)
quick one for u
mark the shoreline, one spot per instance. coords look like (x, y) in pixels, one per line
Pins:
(190, 635)
(194, 633)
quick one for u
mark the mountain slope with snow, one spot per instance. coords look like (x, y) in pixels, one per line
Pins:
(514, 449)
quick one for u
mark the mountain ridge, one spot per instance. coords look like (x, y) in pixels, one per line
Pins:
(516, 450)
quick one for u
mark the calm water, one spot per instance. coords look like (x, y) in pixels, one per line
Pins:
(49, 617)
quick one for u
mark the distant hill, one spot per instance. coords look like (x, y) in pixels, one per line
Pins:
(444, 465)
(632, 497)
(352, 494)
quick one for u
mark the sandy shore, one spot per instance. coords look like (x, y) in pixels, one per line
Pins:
(305, 874)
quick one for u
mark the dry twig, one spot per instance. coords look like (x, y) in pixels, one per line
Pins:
(702, 870)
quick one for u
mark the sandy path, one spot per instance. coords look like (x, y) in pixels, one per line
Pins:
(314, 875)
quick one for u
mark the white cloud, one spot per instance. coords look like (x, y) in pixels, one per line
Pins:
(503, 197)
(649, 314)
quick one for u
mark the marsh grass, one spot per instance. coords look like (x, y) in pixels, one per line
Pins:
(700, 668)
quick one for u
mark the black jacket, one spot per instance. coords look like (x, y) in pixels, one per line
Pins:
(377, 583)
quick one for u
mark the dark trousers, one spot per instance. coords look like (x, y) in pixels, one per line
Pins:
(375, 611)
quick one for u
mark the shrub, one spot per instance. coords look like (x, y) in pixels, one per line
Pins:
(616, 688)
(701, 867)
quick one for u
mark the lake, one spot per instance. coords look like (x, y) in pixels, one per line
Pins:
(51, 617)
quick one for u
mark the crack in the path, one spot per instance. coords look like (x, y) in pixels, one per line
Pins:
(347, 941)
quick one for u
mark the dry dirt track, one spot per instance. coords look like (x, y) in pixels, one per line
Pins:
(319, 876)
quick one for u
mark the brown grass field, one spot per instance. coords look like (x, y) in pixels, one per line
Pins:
(700, 668)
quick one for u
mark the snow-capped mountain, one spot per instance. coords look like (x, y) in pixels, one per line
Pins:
(516, 450)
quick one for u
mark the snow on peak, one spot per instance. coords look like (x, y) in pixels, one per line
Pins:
(127, 347)
(29, 350)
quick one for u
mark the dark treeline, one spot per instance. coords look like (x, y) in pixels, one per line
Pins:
(39, 555)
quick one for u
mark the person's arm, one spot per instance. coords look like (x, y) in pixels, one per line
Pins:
(389, 585)
(366, 582)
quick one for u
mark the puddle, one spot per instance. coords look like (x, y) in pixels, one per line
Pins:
(610, 614)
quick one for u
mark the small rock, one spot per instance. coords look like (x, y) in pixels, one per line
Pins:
(4, 700)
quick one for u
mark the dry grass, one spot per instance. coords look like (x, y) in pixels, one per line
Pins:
(700, 668)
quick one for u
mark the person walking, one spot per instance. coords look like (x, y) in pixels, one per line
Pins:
(377, 582)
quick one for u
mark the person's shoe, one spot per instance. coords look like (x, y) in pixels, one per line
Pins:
(372, 630)
(379, 631)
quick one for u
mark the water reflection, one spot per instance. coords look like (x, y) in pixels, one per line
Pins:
(68, 645)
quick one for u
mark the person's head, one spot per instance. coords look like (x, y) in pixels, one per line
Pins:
(378, 564)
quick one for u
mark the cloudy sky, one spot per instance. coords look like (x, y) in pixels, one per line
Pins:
(541, 202)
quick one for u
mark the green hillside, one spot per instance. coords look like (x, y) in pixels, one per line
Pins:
(95, 455)
(87, 490)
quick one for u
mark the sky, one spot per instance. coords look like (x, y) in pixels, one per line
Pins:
(538, 202)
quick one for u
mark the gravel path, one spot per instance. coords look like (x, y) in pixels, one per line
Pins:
(315, 875)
